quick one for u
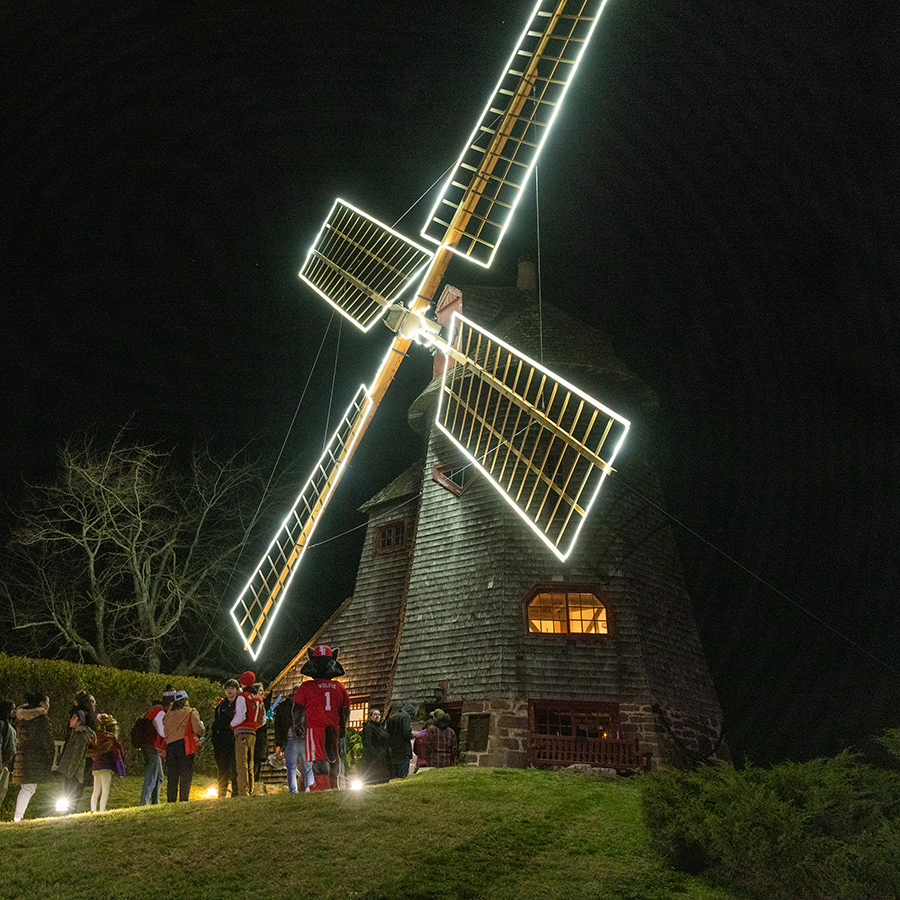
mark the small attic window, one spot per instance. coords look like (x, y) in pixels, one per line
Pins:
(455, 476)
(390, 537)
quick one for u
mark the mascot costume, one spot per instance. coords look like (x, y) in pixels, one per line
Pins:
(320, 711)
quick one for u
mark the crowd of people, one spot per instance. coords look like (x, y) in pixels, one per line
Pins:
(309, 729)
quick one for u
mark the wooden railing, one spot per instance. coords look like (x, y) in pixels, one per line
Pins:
(548, 750)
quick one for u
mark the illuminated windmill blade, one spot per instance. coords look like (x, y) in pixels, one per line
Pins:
(481, 194)
(543, 444)
(361, 266)
(255, 609)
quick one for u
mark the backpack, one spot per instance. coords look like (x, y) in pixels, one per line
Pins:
(143, 734)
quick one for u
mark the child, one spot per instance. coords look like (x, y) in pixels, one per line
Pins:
(108, 756)
(71, 762)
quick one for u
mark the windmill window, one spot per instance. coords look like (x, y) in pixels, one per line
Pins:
(455, 476)
(567, 612)
(390, 537)
(478, 732)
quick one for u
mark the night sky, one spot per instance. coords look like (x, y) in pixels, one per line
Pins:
(720, 194)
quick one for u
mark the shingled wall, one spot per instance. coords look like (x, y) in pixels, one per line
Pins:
(464, 633)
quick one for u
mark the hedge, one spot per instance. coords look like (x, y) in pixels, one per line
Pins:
(120, 692)
(824, 828)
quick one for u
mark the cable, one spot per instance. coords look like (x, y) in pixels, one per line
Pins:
(753, 574)
(423, 194)
(265, 492)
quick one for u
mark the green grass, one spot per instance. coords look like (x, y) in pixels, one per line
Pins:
(453, 833)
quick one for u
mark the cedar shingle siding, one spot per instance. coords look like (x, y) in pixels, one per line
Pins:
(464, 636)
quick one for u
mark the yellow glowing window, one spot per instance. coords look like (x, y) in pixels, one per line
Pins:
(567, 612)
(359, 712)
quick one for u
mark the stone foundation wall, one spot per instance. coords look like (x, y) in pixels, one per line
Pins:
(507, 744)
(673, 737)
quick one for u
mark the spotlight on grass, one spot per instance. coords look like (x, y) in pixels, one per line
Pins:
(62, 804)
(212, 792)
(356, 785)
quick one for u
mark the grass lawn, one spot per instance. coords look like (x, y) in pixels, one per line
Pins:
(454, 833)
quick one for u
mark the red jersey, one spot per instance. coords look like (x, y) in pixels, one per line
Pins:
(326, 702)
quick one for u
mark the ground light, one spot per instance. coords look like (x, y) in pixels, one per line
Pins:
(62, 804)
(356, 785)
(212, 792)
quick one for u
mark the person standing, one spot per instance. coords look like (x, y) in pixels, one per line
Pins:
(34, 756)
(248, 716)
(261, 744)
(8, 742)
(294, 746)
(375, 766)
(71, 760)
(155, 751)
(183, 730)
(107, 756)
(399, 729)
(441, 743)
(223, 738)
(320, 712)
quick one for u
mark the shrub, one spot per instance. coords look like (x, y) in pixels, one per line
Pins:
(826, 828)
(121, 692)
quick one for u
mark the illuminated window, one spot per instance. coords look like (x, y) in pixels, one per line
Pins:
(456, 476)
(390, 537)
(359, 712)
(567, 612)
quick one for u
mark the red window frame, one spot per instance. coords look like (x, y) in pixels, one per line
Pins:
(395, 533)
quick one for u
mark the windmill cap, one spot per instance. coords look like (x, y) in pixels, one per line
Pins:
(323, 650)
(247, 679)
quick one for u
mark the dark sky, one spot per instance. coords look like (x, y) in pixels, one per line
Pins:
(720, 194)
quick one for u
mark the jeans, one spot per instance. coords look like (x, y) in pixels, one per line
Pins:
(153, 777)
(294, 754)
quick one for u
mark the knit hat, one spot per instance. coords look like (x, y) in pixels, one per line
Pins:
(247, 679)
(439, 714)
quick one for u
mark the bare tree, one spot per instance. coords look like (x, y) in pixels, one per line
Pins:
(124, 558)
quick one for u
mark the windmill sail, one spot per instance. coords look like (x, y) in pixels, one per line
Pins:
(255, 609)
(543, 444)
(487, 182)
(361, 266)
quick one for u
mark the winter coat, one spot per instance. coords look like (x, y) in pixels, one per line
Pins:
(71, 762)
(34, 756)
(376, 757)
(222, 735)
(8, 741)
(106, 752)
(441, 745)
(175, 723)
(399, 729)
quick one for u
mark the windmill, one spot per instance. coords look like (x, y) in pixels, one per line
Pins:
(544, 445)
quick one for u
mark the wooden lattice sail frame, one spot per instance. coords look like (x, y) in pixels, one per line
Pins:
(556, 443)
